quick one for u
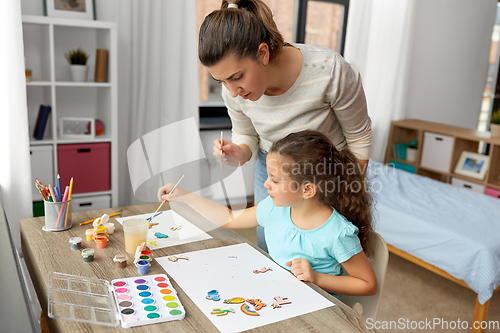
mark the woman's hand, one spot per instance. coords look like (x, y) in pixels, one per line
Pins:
(302, 269)
(165, 193)
(232, 153)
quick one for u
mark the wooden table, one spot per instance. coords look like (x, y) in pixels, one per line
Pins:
(46, 252)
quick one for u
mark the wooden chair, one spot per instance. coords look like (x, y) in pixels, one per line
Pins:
(368, 305)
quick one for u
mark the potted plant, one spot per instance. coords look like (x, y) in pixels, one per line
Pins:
(78, 62)
(495, 124)
(411, 151)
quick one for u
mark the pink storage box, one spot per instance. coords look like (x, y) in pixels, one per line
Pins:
(492, 192)
(88, 164)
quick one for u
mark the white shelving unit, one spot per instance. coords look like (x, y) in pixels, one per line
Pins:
(46, 40)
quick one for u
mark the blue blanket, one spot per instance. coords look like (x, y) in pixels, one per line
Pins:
(449, 227)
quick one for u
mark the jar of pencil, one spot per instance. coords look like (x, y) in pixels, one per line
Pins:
(57, 206)
(57, 215)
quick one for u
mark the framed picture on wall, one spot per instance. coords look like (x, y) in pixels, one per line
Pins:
(75, 9)
(472, 165)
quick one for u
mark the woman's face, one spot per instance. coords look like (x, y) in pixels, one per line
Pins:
(242, 77)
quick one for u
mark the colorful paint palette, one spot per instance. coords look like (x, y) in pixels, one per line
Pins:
(135, 301)
(146, 300)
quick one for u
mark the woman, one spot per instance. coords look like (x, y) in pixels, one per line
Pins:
(272, 88)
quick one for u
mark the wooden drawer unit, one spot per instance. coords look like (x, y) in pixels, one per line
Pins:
(492, 192)
(436, 151)
(440, 148)
(467, 185)
(88, 164)
(84, 204)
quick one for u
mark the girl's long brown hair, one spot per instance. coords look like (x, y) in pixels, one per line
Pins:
(239, 32)
(340, 181)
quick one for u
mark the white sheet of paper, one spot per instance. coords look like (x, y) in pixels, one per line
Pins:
(229, 270)
(186, 234)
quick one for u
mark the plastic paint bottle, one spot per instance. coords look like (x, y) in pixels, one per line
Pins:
(76, 243)
(88, 255)
(143, 267)
(101, 242)
(147, 258)
(110, 228)
(120, 260)
(101, 231)
(89, 233)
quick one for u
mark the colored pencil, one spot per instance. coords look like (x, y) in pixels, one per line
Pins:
(58, 195)
(154, 214)
(37, 185)
(40, 191)
(59, 187)
(41, 188)
(63, 206)
(90, 221)
(69, 198)
(49, 196)
(46, 191)
(52, 193)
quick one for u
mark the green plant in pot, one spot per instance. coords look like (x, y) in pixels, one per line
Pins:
(495, 124)
(78, 62)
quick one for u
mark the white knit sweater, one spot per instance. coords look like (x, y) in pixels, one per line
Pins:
(327, 96)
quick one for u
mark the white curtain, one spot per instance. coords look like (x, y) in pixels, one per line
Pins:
(378, 43)
(15, 167)
(157, 74)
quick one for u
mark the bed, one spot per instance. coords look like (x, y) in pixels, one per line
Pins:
(445, 229)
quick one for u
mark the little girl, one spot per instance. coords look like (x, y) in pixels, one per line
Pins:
(317, 216)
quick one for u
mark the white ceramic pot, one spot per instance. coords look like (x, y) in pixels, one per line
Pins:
(411, 154)
(79, 73)
(495, 130)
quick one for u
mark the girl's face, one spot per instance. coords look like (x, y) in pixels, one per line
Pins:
(244, 77)
(284, 191)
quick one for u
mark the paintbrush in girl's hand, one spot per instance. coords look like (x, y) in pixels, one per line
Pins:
(154, 214)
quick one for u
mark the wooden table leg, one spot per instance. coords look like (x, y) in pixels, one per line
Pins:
(43, 323)
(480, 315)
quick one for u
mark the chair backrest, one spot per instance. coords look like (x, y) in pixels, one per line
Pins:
(368, 305)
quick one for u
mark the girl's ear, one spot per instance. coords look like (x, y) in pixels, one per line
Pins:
(263, 54)
(309, 190)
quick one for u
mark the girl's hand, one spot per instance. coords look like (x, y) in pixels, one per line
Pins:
(302, 269)
(165, 195)
(232, 153)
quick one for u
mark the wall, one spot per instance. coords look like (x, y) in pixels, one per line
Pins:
(450, 50)
(32, 7)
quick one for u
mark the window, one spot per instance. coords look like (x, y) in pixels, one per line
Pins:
(491, 94)
(311, 21)
(322, 22)
(209, 89)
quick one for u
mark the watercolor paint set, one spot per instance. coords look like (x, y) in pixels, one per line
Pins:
(135, 301)
(147, 299)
